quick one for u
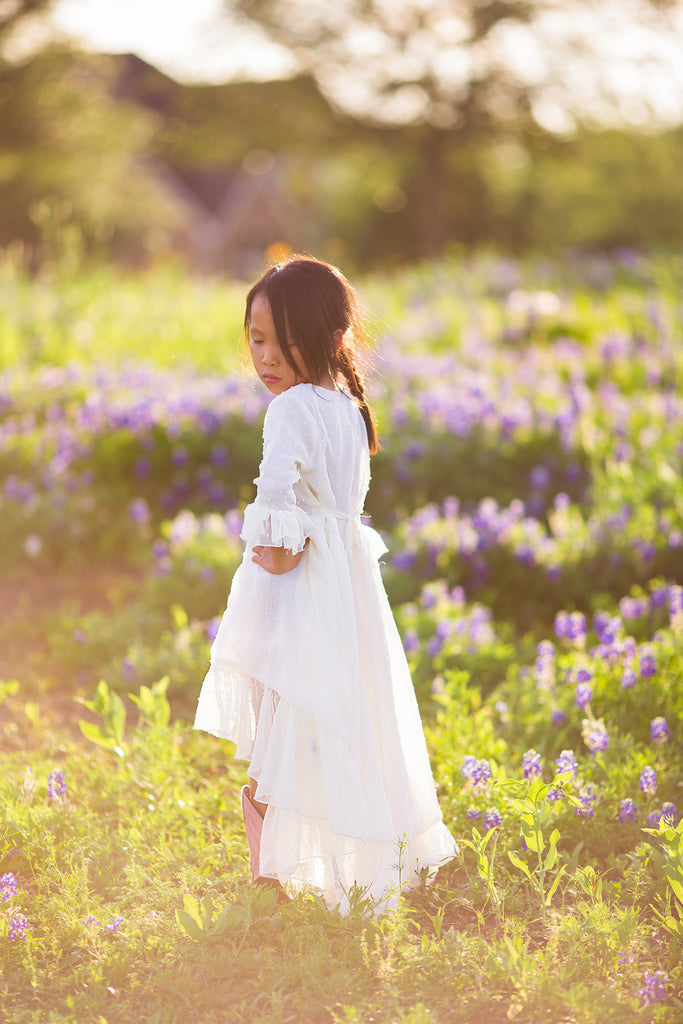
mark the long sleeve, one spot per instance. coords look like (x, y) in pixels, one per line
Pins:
(275, 519)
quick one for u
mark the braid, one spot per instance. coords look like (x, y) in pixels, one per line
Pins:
(347, 366)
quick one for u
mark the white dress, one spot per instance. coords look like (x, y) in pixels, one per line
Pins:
(308, 676)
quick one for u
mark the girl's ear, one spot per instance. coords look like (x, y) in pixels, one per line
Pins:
(338, 337)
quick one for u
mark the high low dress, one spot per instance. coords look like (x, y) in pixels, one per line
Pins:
(308, 676)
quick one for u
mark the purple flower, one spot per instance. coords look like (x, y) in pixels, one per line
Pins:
(531, 765)
(561, 625)
(566, 762)
(18, 927)
(648, 780)
(114, 924)
(627, 810)
(544, 670)
(654, 989)
(558, 717)
(659, 730)
(676, 607)
(8, 887)
(493, 818)
(595, 736)
(584, 695)
(588, 800)
(647, 665)
(609, 630)
(633, 607)
(600, 622)
(478, 771)
(669, 813)
(473, 812)
(91, 922)
(583, 675)
(139, 512)
(434, 645)
(576, 629)
(629, 679)
(56, 784)
(481, 773)
(555, 794)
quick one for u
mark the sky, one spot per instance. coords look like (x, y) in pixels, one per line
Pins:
(182, 38)
(178, 36)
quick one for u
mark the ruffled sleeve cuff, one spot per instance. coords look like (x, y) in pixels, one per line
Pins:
(276, 528)
(374, 541)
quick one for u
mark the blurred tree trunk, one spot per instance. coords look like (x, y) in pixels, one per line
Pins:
(434, 219)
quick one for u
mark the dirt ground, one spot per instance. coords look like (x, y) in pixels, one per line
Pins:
(30, 597)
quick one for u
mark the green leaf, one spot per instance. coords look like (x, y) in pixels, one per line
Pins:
(553, 887)
(483, 867)
(192, 907)
(532, 836)
(189, 925)
(676, 886)
(552, 851)
(519, 863)
(207, 908)
(94, 732)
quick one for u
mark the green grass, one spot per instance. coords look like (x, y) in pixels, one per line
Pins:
(157, 823)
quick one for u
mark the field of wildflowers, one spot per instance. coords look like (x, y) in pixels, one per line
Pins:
(529, 489)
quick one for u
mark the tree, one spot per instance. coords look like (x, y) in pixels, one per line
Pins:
(456, 72)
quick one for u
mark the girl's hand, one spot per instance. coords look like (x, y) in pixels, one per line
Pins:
(276, 561)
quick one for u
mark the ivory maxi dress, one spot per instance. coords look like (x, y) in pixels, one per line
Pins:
(308, 676)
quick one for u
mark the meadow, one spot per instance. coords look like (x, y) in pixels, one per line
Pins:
(529, 490)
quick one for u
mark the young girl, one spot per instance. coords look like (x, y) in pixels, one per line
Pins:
(308, 676)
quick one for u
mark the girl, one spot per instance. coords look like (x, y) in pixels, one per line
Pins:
(308, 676)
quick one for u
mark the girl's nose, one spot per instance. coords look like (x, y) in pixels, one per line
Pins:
(270, 355)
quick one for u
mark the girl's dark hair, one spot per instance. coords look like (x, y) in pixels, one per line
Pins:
(309, 302)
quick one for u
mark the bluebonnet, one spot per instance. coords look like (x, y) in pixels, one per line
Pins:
(493, 818)
(478, 771)
(669, 813)
(588, 800)
(659, 730)
(647, 666)
(139, 512)
(595, 735)
(676, 607)
(584, 695)
(627, 810)
(628, 679)
(18, 927)
(576, 628)
(567, 762)
(544, 670)
(8, 886)
(411, 641)
(531, 764)
(561, 625)
(473, 812)
(648, 780)
(654, 989)
(434, 645)
(114, 924)
(56, 784)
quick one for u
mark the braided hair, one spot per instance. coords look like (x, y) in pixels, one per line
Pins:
(314, 306)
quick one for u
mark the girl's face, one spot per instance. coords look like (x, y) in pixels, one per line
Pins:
(266, 354)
